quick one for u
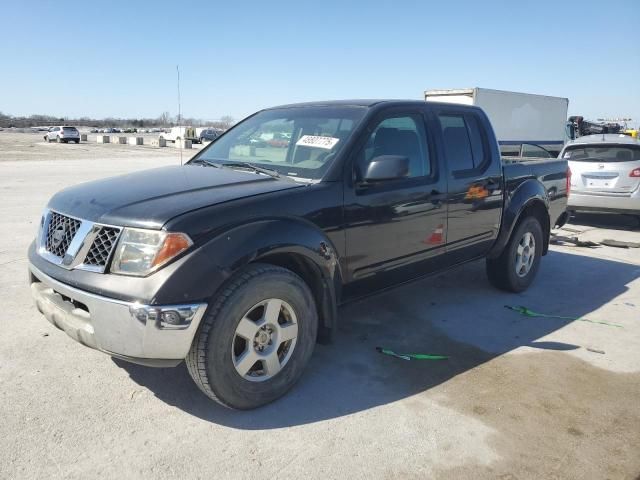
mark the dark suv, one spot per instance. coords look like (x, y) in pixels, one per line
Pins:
(208, 135)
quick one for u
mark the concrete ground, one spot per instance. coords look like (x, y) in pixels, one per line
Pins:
(519, 397)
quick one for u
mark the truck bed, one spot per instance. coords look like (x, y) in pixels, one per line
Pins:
(551, 172)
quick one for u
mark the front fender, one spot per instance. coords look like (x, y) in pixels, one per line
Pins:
(524, 196)
(271, 240)
(256, 240)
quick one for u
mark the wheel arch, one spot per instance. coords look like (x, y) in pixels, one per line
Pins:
(294, 244)
(311, 274)
(529, 199)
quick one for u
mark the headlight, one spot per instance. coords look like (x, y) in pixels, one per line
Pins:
(141, 252)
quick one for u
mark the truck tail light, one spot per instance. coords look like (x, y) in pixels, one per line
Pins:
(635, 172)
(568, 180)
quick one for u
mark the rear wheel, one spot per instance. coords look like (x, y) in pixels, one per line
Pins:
(518, 264)
(255, 339)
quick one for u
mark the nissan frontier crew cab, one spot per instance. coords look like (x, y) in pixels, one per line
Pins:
(238, 261)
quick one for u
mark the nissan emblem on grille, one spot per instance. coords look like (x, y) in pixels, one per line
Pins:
(60, 232)
(58, 235)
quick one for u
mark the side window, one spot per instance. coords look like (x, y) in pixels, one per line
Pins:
(477, 142)
(463, 141)
(401, 135)
(535, 151)
(457, 143)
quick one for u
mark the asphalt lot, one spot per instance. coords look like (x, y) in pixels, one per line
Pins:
(519, 397)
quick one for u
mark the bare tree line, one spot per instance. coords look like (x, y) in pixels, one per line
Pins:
(163, 120)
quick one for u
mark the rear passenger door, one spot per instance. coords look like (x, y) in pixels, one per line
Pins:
(474, 172)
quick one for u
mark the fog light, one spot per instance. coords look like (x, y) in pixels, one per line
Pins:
(174, 317)
(171, 317)
(139, 313)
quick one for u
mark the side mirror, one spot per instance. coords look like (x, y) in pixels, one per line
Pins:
(387, 167)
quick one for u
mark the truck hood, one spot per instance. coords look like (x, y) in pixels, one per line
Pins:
(149, 198)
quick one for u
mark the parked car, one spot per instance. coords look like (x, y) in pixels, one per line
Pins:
(278, 142)
(62, 135)
(237, 262)
(181, 133)
(208, 135)
(605, 173)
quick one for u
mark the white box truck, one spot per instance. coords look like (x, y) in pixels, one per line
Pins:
(181, 133)
(526, 125)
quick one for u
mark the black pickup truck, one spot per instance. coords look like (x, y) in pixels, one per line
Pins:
(237, 261)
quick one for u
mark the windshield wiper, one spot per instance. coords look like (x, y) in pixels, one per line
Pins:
(202, 161)
(250, 166)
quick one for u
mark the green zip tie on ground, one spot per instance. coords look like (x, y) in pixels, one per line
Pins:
(411, 356)
(530, 313)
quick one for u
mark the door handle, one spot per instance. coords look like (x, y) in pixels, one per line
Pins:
(491, 185)
(435, 198)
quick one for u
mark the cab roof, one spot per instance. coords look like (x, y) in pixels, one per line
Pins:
(352, 103)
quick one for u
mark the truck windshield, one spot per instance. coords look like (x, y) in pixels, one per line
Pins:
(603, 153)
(299, 142)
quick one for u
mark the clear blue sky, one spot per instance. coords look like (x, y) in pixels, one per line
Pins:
(118, 58)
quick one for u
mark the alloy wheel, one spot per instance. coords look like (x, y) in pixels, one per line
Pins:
(525, 254)
(264, 340)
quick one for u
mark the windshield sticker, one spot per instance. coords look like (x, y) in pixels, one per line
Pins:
(318, 142)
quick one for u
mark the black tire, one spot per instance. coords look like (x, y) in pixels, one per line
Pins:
(210, 361)
(502, 270)
(77, 142)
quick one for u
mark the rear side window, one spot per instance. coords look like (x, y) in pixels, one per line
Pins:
(534, 151)
(603, 153)
(463, 141)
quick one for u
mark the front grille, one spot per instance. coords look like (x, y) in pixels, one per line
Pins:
(102, 247)
(60, 232)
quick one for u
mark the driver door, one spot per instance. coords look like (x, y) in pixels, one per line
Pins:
(394, 228)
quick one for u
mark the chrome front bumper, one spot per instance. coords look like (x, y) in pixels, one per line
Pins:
(155, 335)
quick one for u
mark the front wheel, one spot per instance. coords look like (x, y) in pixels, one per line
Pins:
(256, 338)
(518, 264)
